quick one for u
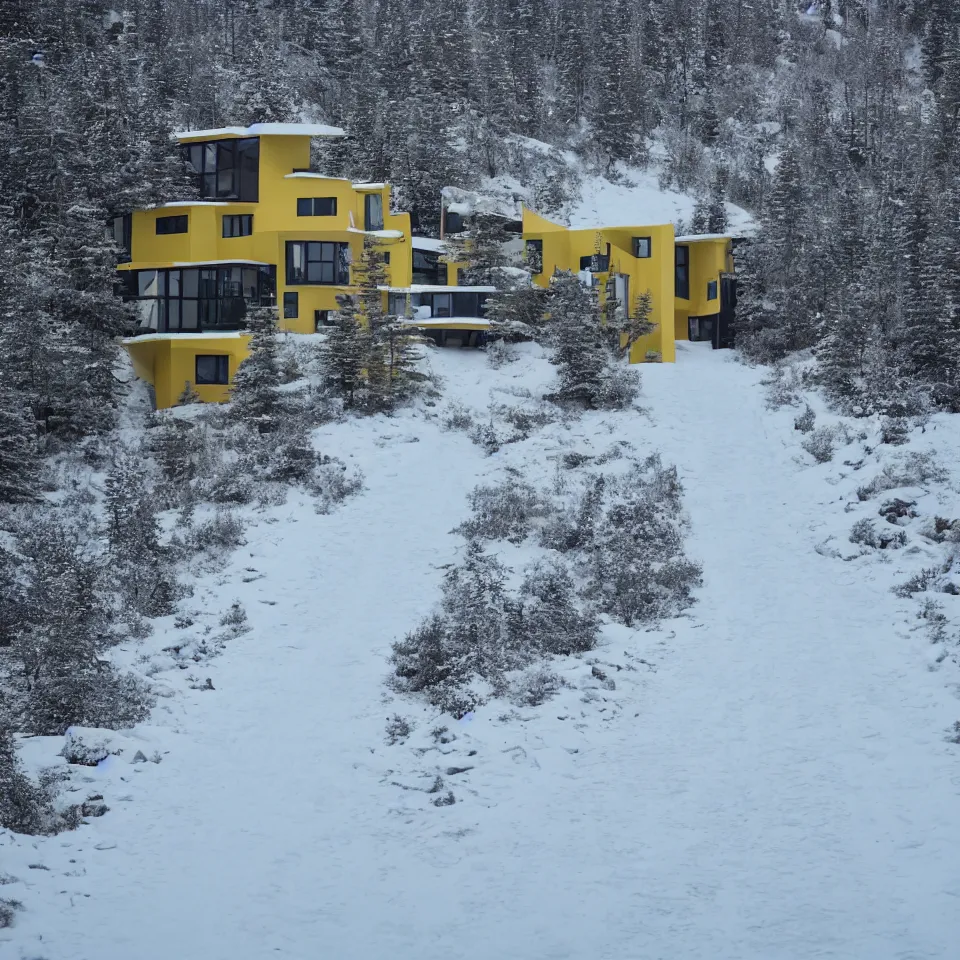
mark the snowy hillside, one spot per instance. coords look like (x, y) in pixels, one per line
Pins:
(767, 776)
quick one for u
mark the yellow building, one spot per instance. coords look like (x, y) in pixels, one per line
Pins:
(267, 232)
(689, 279)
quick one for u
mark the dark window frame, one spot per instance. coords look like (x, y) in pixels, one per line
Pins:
(237, 225)
(221, 376)
(125, 240)
(318, 252)
(681, 261)
(637, 249)
(713, 290)
(193, 299)
(180, 223)
(596, 262)
(226, 169)
(316, 206)
(453, 222)
(430, 270)
(291, 305)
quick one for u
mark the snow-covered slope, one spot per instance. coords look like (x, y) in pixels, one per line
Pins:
(769, 779)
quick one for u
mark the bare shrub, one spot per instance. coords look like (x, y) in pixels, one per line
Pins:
(910, 470)
(865, 533)
(457, 417)
(503, 512)
(820, 444)
(806, 420)
(534, 687)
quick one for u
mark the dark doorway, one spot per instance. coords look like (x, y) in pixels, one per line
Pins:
(728, 310)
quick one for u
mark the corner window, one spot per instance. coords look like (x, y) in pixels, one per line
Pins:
(534, 255)
(318, 263)
(641, 247)
(291, 306)
(213, 369)
(596, 263)
(373, 212)
(240, 225)
(317, 207)
(682, 273)
(712, 290)
(226, 169)
(167, 225)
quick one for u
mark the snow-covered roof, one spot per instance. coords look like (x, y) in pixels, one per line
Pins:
(428, 243)
(368, 186)
(193, 203)
(212, 334)
(164, 265)
(384, 234)
(430, 288)
(694, 237)
(310, 175)
(476, 322)
(264, 130)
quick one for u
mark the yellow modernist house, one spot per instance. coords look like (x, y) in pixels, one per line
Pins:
(690, 279)
(268, 232)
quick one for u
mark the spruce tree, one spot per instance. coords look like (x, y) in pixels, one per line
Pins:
(255, 393)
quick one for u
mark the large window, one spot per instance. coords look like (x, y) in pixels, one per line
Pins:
(318, 262)
(172, 224)
(534, 255)
(641, 247)
(238, 225)
(682, 273)
(429, 306)
(428, 268)
(212, 368)
(596, 263)
(317, 207)
(199, 298)
(373, 212)
(226, 169)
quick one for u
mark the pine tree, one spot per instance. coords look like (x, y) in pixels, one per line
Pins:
(255, 394)
(19, 459)
(344, 352)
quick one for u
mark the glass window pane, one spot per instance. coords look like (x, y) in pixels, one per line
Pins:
(327, 274)
(291, 305)
(173, 283)
(147, 310)
(147, 283)
(442, 304)
(315, 272)
(304, 207)
(195, 157)
(190, 281)
(209, 186)
(248, 162)
(173, 314)
(188, 314)
(326, 251)
(250, 283)
(209, 157)
(208, 283)
(373, 207)
(268, 286)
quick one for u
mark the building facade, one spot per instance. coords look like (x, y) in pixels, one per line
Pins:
(268, 231)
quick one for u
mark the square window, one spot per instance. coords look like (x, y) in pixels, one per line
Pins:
(291, 306)
(238, 225)
(641, 247)
(213, 369)
(305, 207)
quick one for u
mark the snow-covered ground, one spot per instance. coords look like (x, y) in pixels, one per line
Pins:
(769, 779)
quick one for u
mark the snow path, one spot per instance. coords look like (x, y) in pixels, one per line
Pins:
(779, 788)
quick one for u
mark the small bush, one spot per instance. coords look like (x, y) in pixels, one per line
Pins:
(865, 533)
(235, 618)
(534, 687)
(919, 582)
(233, 484)
(819, 444)
(486, 436)
(894, 431)
(503, 512)
(913, 469)
(8, 909)
(806, 420)
(332, 483)
(398, 729)
(457, 417)
(221, 533)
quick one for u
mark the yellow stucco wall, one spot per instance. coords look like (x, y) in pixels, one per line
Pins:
(709, 257)
(563, 248)
(169, 362)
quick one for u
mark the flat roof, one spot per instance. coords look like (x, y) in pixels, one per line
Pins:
(431, 288)
(695, 237)
(177, 264)
(263, 130)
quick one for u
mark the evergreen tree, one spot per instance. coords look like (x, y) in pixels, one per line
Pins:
(19, 460)
(256, 386)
